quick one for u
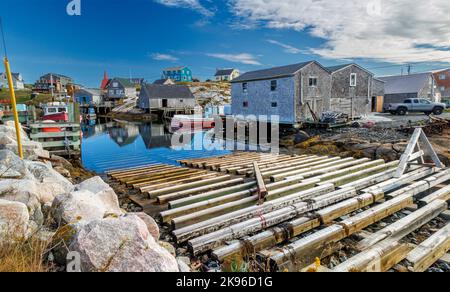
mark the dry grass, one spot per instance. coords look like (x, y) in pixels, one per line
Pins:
(24, 256)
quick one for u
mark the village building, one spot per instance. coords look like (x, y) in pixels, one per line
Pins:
(351, 90)
(288, 91)
(164, 82)
(442, 78)
(401, 87)
(226, 74)
(120, 88)
(17, 78)
(377, 95)
(88, 96)
(162, 97)
(178, 74)
(137, 81)
(52, 81)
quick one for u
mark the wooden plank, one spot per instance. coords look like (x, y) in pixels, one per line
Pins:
(379, 258)
(262, 190)
(429, 251)
(442, 194)
(55, 135)
(406, 225)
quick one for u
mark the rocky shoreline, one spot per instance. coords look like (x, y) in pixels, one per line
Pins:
(43, 198)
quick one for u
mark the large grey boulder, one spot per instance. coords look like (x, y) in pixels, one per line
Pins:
(14, 220)
(11, 166)
(84, 206)
(25, 192)
(44, 173)
(152, 226)
(94, 185)
(120, 245)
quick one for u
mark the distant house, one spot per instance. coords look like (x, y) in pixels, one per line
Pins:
(226, 74)
(57, 82)
(442, 78)
(120, 88)
(18, 82)
(165, 96)
(351, 90)
(401, 87)
(89, 96)
(137, 81)
(164, 82)
(284, 91)
(178, 74)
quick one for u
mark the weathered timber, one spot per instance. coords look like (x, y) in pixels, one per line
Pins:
(406, 225)
(431, 250)
(216, 223)
(318, 170)
(425, 184)
(171, 189)
(262, 189)
(209, 195)
(379, 258)
(264, 240)
(442, 194)
(263, 221)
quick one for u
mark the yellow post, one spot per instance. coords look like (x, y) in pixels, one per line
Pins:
(13, 104)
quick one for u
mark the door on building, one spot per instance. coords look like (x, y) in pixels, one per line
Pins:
(164, 103)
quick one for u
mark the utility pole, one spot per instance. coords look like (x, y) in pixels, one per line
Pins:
(409, 69)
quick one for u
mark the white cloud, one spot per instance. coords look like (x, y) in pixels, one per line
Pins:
(190, 4)
(288, 48)
(243, 58)
(164, 57)
(394, 31)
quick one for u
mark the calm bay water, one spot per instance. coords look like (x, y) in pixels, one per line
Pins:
(115, 145)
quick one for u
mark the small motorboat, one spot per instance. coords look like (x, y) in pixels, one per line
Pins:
(182, 122)
(57, 112)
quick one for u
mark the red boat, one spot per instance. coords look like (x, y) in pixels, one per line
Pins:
(192, 123)
(57, 112)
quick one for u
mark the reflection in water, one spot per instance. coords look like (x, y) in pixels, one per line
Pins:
(113, 145)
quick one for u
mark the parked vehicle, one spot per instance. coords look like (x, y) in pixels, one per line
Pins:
(447, 104)
(416, 105)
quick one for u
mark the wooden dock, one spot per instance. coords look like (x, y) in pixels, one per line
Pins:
(213, 205)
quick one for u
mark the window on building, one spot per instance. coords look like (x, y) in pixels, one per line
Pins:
(181, 101)
(274, 104)
(115, 84)
(244, 87)
(353, 79)
(313, 81)
(442, 88)
(245, 104)
(442, 77)
(273, 85)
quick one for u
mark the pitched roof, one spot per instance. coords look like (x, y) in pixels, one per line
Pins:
(92, 91)
(154, 91)
(405, 83)
(125, 82)
(276, 72)
(222, 72)
(162, 81)
(337, 67)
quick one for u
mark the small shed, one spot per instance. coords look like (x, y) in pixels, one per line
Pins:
(158, 97)
(89, 96)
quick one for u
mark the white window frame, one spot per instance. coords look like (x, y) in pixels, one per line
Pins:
(442, 77)
(245, 87)
(353, 77)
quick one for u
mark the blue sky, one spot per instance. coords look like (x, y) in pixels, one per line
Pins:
(145, 36)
